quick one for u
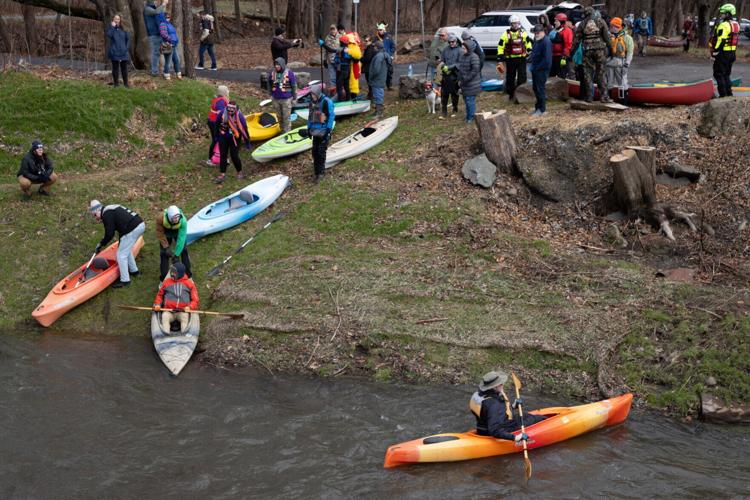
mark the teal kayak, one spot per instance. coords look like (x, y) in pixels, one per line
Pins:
(342, 108)
(287, 144)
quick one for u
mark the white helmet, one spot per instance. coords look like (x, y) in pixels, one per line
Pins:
(172, 212)
(514, 19)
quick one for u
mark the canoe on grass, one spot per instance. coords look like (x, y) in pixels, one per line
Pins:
(670, 94)
(175, 347)
(741, 91)
(563, 423)
(493, 85)
(236, 208)
(660, 41)
(343, 108)
(262, 126)
(287, 144)
(72, 291)
(368, 137)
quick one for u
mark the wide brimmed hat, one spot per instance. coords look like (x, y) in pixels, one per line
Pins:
(493, 379)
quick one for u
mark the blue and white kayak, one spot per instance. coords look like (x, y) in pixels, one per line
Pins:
(236, 208)
(341, 108)
(494, 85)
(175, 347)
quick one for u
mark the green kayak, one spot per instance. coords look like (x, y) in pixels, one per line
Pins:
(287, 144)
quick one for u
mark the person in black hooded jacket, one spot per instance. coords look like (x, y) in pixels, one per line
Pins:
(36, 168)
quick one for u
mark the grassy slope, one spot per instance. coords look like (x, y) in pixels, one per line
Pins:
(357, 261)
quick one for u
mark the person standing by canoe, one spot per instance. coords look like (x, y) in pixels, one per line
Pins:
(177, 293)
(320, 120)
(621, 46)
(129, 226)
(218, 105)
(724, 48)
(171, 226)
(562, 42)
(493, 411)
(593, 35)
(379, 77)
(513, 49)
(36, 168)
(643, 28)
(540, 63)
(283, 83)
(232, 128)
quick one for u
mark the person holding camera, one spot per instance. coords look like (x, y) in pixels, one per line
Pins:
(117, 51)
(36, 168)
(280, 46)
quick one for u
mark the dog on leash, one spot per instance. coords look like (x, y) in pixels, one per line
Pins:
(432, 94)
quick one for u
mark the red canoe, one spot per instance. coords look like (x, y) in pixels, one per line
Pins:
(72, 291)
(673, 94)
(660, 41)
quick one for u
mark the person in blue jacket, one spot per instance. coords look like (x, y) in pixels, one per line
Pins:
(540, 63)
(389, 46)
(643, 28)
(150, 10)
(168, 34)
(118, 40)
(320, 122)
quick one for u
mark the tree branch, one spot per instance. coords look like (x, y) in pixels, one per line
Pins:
(62, 8)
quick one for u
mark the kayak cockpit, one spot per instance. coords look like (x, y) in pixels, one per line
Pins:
(84, 275)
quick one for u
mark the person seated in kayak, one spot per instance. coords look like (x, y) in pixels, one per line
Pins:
(493, 411)
(171, 226)
(177, 296)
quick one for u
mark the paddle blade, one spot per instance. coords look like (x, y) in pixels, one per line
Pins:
(516, 382)
(527, 467)
(215, 271)
(277, 216)
(265, 102)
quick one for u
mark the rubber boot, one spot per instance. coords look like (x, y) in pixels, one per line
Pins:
(378, 111)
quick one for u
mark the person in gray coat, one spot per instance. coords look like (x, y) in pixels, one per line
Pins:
(469, 77)
(379, 77)
(449, 59)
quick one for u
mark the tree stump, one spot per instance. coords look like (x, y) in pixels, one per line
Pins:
(634, 182)
(647, 156)
(498, 139)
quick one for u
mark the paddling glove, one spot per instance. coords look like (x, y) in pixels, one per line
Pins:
(98, 248)
(521, 436)
(517, 402)
(321, 42)
(169, 252)
(563, 62)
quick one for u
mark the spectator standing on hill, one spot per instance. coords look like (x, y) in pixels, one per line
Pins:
(331, 45)
(436, 51)
(449, 60)
(280, 46)
(36, 168)
(469, 74)
(367, 56)
(169, 45)
(207, 41)
(151, 10)
(218, 104)
(118, 40)
(320, 122)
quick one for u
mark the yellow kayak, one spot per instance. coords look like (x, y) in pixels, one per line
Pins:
(262, 126)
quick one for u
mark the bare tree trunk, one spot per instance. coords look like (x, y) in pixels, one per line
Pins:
(187, 39)
(444, 13)
(272, 12)
(702, 24)
(32, 37)
(345, 14)
(238, 15)
(140, 50)
(5, 36)
(328, 7)
(217, 27)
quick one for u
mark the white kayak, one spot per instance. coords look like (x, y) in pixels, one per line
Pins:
(368, 137)
(175, 347)
(343, 108)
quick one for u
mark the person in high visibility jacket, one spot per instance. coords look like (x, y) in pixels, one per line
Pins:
(621, 55)
(513, 48)
(723, 47)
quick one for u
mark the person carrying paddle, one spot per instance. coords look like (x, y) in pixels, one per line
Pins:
(283, 86)
(171, 226)
(177, 296)
(129, 226)
(493, 411)
(320, 120)
(36, 168)
(232, 128)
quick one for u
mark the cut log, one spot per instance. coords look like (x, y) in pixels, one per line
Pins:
(647, 156)
(498, 139)
(597, 106)
(634, 183)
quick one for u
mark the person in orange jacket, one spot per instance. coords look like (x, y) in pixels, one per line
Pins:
(177, 296)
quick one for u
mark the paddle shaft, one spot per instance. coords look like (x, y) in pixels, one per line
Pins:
(526, 461)
(83, 274)
(209, 313)
(217, 268)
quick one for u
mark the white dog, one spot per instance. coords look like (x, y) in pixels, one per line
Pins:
(432, 94)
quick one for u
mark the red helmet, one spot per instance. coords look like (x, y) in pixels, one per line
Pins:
(344, 39)
(561, 17)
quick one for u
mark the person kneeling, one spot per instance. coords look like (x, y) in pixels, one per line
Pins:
(493, 410)
(177, 296)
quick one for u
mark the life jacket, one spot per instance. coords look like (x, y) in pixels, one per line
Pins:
(233, 125)
(516, 44)
(177, 293)
(642, 24)
(619, 49)
(475, 404)
(591, 35)
(213, 113)
(283, 85)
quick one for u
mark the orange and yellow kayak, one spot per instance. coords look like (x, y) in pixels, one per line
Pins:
(563, 423)
(72, 291)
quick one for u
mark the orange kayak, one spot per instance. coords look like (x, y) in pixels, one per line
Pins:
(69, 293)
(563, 423)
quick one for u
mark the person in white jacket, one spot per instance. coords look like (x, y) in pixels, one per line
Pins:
(622, 48)
(207, 40)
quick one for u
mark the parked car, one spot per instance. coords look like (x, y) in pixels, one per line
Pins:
(488, 27)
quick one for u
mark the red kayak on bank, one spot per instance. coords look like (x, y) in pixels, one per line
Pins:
(672, 94)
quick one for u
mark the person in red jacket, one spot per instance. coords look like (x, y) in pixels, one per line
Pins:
(561, 45)
(218, 105)
(177, 293)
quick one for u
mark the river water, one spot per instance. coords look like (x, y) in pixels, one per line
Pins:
(99, 417)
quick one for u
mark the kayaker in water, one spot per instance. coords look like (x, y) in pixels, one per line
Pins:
(320, 122)
(178, 293)
(129, 226)
(493, 411)
(171, 226)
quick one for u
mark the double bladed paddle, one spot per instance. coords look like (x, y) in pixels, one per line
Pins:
(210, 313)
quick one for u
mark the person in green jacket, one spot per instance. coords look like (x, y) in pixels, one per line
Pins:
(171, 227)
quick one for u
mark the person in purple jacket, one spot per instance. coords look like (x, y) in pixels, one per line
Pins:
(540, 63)
(283, 83)
(232, 128)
